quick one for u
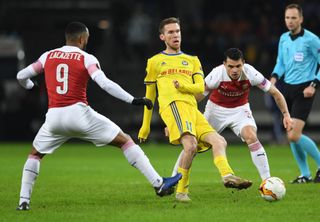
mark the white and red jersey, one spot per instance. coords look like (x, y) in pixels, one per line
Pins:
(233, 93)
(67, 71)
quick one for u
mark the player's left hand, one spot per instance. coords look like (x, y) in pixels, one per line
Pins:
(143, 133)
(176, 84)
(142, 101)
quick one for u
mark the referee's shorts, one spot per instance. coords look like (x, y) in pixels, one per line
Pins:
(299, 106)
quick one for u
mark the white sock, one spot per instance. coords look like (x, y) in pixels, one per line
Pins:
(260, 159)
(176, 166)
(29, 175)
(139, 160)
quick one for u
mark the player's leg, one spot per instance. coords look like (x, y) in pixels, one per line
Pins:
(176, 165)
(30, 173)
(218, 117)
(189, 144)
(101, 131)
(219, 145)
(202, 147)
(52, 134)
(300, 143)
(257, 151)
(220, 160)
(180, 119)
(244, 126)
(139, 160)
(44, 143)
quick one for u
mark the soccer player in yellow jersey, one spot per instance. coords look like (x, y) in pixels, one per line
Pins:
(178, 77)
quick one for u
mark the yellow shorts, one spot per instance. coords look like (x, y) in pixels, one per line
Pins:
(180, 118)
(203, 146)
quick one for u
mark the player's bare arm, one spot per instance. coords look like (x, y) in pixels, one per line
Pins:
(282, 105)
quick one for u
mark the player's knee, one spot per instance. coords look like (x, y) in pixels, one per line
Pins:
(191, 148)
(216, 141)
(189, 143)
(220, 141)
(292, 137)
(35, 154)
(121, 140)
(251, 138)
(219, 146)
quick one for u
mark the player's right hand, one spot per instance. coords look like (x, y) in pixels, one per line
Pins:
(142, 101)
(35, 86)
(287, 122)
(143, 134)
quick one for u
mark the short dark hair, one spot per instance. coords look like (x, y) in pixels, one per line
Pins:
(296, 6)
(74, 30)
(168, 21)
(233, 53)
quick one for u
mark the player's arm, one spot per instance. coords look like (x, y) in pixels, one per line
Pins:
(115, 90)
(28, 72)
(315, 50)
(311, 89)
(194, 88)
(278, 70)
(144, 131)
(200, 96)
(282, 105)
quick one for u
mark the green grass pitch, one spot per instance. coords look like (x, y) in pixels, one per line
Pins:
(82, 183)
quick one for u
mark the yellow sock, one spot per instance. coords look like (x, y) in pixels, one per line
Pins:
(183, 184)
(223, 166)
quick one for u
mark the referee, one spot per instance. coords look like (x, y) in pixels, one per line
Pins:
(298, 63)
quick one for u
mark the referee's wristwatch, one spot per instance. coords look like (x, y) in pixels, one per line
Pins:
(315, 84)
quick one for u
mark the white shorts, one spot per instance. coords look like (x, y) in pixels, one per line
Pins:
(234, 118)
(74, 121)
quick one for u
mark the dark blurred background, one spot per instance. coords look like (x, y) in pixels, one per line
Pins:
(124, 33)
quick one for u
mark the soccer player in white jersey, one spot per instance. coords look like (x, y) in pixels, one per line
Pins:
(228, 105)
(67, 71)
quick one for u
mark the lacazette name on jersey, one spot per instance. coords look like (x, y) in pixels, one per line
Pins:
(65, 55)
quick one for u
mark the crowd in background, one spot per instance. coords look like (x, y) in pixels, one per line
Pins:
(208, 29)
(124, 33)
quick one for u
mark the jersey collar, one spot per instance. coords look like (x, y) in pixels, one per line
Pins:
(173, 54)
(294, 37)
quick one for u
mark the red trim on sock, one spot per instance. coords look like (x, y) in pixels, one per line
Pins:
(33, 157)
(255, 146)
(128, 144)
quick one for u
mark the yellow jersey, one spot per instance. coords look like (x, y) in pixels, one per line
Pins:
(163, 68)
